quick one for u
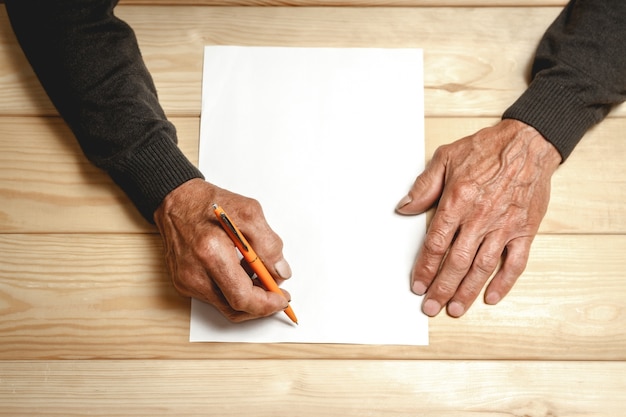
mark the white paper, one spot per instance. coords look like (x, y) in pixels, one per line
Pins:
(328, 140)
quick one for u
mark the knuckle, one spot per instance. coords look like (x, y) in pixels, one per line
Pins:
(251, 209)
(447, 217)
(436, 243)
(516, 262)
(209, 250)
(234, 316)
(239, 300)
(460, 258)
(443, 288)
(425, 268)
(463, 192)
(210, 246)
(470, 289)
(274, 243)
(486, 263)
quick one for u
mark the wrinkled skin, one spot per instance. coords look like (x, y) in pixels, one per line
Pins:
(491, 191)
(202, 260)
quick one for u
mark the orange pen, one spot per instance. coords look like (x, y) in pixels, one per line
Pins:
(250, 256)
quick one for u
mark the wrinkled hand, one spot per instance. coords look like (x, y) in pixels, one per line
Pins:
(203, 261)
(492, 190)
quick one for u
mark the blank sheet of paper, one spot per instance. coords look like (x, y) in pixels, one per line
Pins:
(328, 140)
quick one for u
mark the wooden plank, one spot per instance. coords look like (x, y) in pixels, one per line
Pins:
(108, 296)
(313, 388)
(350, 3)
(47, 185)
(476, 59)
(346, 3)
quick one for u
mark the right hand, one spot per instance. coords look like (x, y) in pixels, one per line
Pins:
(203, 261)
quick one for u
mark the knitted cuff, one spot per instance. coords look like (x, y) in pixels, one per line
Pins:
(555, 112)
(151, 173)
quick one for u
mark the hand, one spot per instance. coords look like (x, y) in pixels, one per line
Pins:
(492, 189)
(202, 259)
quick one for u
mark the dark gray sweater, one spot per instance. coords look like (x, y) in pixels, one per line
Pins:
(579, 73)
(90, 65)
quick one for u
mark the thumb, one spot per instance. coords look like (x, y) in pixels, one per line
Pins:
(426, 189)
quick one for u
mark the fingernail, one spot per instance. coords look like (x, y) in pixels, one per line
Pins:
(406, 200)
(283, 269)
(431, 308)
(456, 309)
(419, 288)
(492, 298)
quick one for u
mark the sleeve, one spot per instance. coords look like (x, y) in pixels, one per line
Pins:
(89, 63)
(578, 74)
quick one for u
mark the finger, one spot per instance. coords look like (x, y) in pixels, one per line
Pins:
(438, 239)
(246, 267)
(426, 189)
(197, 284)
(192, 279)
(266, 243)
(453, 270)
(233, 315)
(485, 263)
(234, 283)
(513, 265)
(258, 283)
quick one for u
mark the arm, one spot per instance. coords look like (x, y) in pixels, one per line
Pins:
(492, 188)
(578, 75)
(89, 63)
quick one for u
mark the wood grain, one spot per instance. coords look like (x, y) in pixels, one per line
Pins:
(344, 3)
(350, 3)
(108, 296)
(92, 325)
(312, 388)
(476, 59)
(48, 186)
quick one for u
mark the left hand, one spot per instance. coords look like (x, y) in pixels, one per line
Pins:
(492, 189)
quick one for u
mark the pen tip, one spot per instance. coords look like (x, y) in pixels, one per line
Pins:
(214, 206)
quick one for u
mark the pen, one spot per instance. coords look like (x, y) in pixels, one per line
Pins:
(250, 256)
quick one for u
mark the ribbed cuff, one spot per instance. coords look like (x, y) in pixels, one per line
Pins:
(151, 173)
(555, 112)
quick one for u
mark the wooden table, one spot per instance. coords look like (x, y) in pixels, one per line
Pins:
(90, 323)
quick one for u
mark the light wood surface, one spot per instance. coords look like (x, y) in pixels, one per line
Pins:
(298, 388)
(91, 324)
(107, 296)
(47, 181)
(352, 3)
(346, 3)
(476, 59)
